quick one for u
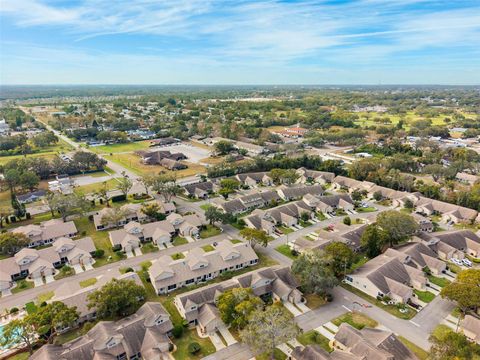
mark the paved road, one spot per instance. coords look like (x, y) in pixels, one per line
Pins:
(236, 351)
(20, 299)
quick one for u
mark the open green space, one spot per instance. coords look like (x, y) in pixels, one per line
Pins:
(112, 184)
(22, 285)
(118, 148)
(209, 231)
(439, 281)
(45, 296)
(286, 250)
(178, 240)
(208, 248)
(189, 336)
(355, 319)
(88, 282)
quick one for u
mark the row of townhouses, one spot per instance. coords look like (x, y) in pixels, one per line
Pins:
(399, 271)
(43, 264)
(47, 232)
(143, 335)
(198, 307)
(198, 265)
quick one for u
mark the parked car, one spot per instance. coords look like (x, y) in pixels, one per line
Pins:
(456, 261)
(467, 262)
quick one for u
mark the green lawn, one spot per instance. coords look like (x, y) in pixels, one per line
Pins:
(92, 188)
(88, 282)
(149, 248)
(178, 240)
(365, 210)
(357, 320)
(22, 285)
(116, 148)
(314, 301)
(235, 241)
(45, 296)
(100, 238)
(20, 356)
(286, 250)
(48, 152)
(205, 206)
(285, 230)
(277, 355)
(188, 337)
(417, 350)
(208, 248)
(313, 337)
(392, 309)
(320, 216)
(209, 231)
(177, 256)
(439, 281)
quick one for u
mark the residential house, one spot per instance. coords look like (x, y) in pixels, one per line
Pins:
(370, 343)
(471, 328)
(254, 179)
(72, 294)
(47, 232)
(200, 190)
(288, 214)
(250, 202)
(129, 238)
(320, 177)
(198, 265)
(328, 204)
(346, 183)
(297, 192)
(257, 220)
(453, 244)
(133, 212)
(31, 196)
(63, 184)
(198, 308)
(390, 274)
(187, 225)
(466, 178)
(143, 335)
(39, 264)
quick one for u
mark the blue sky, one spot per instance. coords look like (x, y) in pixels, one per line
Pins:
(239, 42)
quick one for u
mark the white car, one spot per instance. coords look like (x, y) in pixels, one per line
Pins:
(456, 261)
(467, 262)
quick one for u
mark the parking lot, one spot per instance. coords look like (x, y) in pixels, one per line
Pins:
(193, 153)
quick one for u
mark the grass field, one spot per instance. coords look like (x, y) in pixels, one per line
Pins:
(209, 231)
(189, 336)
(88, 282)
(132, 162)
(92, 188)
(100, 238)
(47, 152)
(313, 337)
(118, 148)
(367, 119)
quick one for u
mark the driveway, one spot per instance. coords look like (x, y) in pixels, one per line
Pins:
(227, 336)
(37, 281)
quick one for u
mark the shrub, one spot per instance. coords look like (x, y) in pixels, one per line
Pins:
(177, 331)
(347, 221)
(118, 198)
(329, 297)
(294, 252)
(128, 270)
(99, 253)
(14, 310)
(28, 216)
(194, 348)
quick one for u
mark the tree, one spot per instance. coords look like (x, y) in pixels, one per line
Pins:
(29, 180)
(147, 182)
(124, 185)
(17, 332)
(377, 196)
(228, 186)
(408, 204)
(102, 194)
(117, 298)
(212, 214)
(465, 290)
(11, 242)
(52, 317)
(113, 216)
(254, 237)
(453, 346)
(45, 139)
(339, 257)
(398, 226)
(166, 186)
(12, 178)
(235, 306)
(372, 240)
(223, 147)
(69, 204)
(18, 208)
(314, 273)
(357, 195)
(266, 329)
(153, 211)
